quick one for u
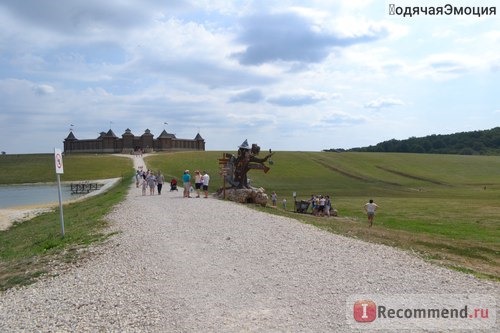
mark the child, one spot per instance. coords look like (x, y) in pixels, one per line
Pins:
(274, 198)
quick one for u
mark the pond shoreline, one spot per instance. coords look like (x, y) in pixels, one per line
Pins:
(10, 215)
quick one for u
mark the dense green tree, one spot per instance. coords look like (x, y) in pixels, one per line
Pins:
(465, 143)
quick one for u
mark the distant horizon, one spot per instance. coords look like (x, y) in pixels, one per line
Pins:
(266, 148)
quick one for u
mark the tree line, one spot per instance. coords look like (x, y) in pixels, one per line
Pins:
(485, 142)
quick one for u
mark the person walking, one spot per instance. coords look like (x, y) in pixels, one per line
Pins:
(206, 180)
(186, 180)
(151, 179)
(370, 208)
(144, 185)
(160, 179)
(138, 177)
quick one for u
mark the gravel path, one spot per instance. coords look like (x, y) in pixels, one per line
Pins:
(205, 265)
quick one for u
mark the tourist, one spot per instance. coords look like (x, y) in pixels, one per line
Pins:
(321, 204)
(159, 182)
(206, 180)
(144, 185)
(274, 198)
(328, 205)
(137, 178)
(186, 180)
(370, 209)
(284, 203)
(312, 200)
(198, 182)
(151, 180)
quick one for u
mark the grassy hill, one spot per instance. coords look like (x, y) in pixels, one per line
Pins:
(356, 174)
(442, 206)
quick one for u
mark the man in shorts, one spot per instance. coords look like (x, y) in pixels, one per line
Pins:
(370, 208)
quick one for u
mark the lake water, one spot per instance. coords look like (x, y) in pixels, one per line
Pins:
(33, 194)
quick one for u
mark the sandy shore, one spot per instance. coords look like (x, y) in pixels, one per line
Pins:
(10, 215)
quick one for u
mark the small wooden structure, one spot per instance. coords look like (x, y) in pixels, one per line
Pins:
(86, 187)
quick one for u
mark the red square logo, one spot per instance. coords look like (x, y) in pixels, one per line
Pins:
(364, 311)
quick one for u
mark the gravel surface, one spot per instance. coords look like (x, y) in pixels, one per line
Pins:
(205, 265)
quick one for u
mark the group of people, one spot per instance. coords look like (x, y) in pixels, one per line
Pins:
(148, 179)
(201, 181)
(321, 205)
(154, 181)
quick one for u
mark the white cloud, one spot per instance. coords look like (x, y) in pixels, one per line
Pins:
(338, 119)
(247, 96)
(383, 102)
(446, 66)
(299, 98)
(43, 89)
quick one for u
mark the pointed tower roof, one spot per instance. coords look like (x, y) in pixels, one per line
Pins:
(110, 134)
(244, 145)
(147, 132)
(166, 135)
(128, 132)
(198, 137)
(71, 136)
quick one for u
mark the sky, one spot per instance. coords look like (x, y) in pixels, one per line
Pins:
(287, 75)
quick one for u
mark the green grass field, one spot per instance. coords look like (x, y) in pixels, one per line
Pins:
(444, 207)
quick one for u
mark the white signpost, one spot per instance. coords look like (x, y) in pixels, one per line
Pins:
(59, 170)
